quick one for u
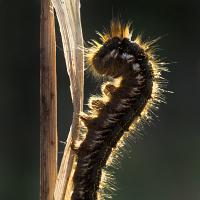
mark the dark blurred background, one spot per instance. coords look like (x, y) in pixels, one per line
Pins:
(165, 163)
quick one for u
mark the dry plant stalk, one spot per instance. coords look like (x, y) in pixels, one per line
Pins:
(68, 14)
(48, 103)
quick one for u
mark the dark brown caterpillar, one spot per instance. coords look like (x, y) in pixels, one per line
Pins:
(134, 89)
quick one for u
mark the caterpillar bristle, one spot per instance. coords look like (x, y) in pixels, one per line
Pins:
(128, 101)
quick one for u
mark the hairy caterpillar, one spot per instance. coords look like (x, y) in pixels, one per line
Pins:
(134, 89)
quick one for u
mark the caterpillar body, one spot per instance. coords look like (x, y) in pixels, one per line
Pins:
(134, 89)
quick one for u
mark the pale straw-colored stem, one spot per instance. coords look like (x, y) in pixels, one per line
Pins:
(68, 14)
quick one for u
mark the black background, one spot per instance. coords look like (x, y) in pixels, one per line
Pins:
(164, 164)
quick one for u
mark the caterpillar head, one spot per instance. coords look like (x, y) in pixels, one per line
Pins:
(117, 54)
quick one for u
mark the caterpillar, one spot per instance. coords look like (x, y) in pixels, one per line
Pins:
(134, 89)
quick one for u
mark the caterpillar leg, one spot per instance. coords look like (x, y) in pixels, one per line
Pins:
(108, 89)
(85, 118)
(96, 104)
(74, 147)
